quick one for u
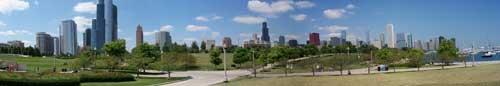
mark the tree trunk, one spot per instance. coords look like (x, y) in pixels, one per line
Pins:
(418, 67)
(341, 69)
(314, 74)
(442, 65)
(394, 68)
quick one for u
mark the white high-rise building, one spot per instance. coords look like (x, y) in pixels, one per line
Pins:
(67, 32)
(390, 36)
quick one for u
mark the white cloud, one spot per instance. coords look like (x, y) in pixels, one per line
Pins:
(305, 4)
(27, 43)
(334, 13)
(249, 19)
(193, 28)
(85, 7)
(291, 36)
(201, 18)
(7, 6)
(270, 9)
(298, 17)
(207, 18)
(150, 33)
(339, 13)
(167, 28)
(333, 30)
(215, 34)
(2, 24)
(15, 32)
(82, 23)
(350, 6)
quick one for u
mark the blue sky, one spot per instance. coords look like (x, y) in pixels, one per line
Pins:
(188, 20)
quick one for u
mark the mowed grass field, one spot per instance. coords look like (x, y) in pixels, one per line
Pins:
(32, 63)
(203, 61)
(485, 75)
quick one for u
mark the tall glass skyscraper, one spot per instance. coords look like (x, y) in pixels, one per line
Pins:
(105, 26)
(390, 36)
(162, 38)
(265, 33)
(67, 31)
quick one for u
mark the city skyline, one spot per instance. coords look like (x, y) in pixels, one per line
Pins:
(243, 18)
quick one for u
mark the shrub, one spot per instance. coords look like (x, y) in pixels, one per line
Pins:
(31, 79)
(105, 77)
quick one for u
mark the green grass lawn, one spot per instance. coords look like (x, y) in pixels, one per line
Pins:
(306, 65)
(138, 82)
(43, 63)
(485, 75)
(203, 61)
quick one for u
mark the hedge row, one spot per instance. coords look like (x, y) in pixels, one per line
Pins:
(106, 77)
(31, 79)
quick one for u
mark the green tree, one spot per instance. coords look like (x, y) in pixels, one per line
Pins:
(386, 56)
(241, 55)
(203, 47)
(116, 50)
(166, 47)
(416, 57)
(194, 47)
(447, 52)
(311, 50)
(214, 57)
(143, 55)
(169, 62)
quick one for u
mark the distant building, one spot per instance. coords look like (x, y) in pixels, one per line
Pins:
(57, 46)
(293, 43)
(227, 41)
(162, 38)
(314, 39)
(139, 37)
(281, 40)
(382, 40)
(265, 33)
(336, 41)
(377, 43)
(209, 44)
(68, 38)
(401, 40)
(409, 40)
(45, 43)
(390, 36)
(87, 38)
(16, 43)
(343, 34)
(418, 45)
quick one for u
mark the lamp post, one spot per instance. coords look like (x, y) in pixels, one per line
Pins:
(253, 63)
(348, 57)
(225, 63)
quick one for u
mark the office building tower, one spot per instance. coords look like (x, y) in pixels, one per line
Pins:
(409, 40)
(390, 36)
(382, 40)
(401, 40)
(265, 33)
(335, 41)
(293, 43)
(163, 38)
(16, 43)
(227, 42)
(44, 43)
(314, 39)
(281, 40)
(139, 37)
(57, 46)
(110, 31)
(87, 37)
(68, 38)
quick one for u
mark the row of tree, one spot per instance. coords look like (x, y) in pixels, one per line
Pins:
(22, 50)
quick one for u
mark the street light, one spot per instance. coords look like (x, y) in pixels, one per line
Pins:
(225, 63)
(253, 63)
(348, 57)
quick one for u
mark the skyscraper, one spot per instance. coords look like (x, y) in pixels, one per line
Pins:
(382, 40)
(45, 43)
(390, 36)
(98, 27)
(409, 40)
(110, 21)
(57, 46)
(67, 32)
(87, 38)
(314, 39)
(281, 40)
(265, 33)
(335, 41)
(139, 37)
(293, 43)
(162, 38)
(401, 40)
(227, 42)
(343, 34)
